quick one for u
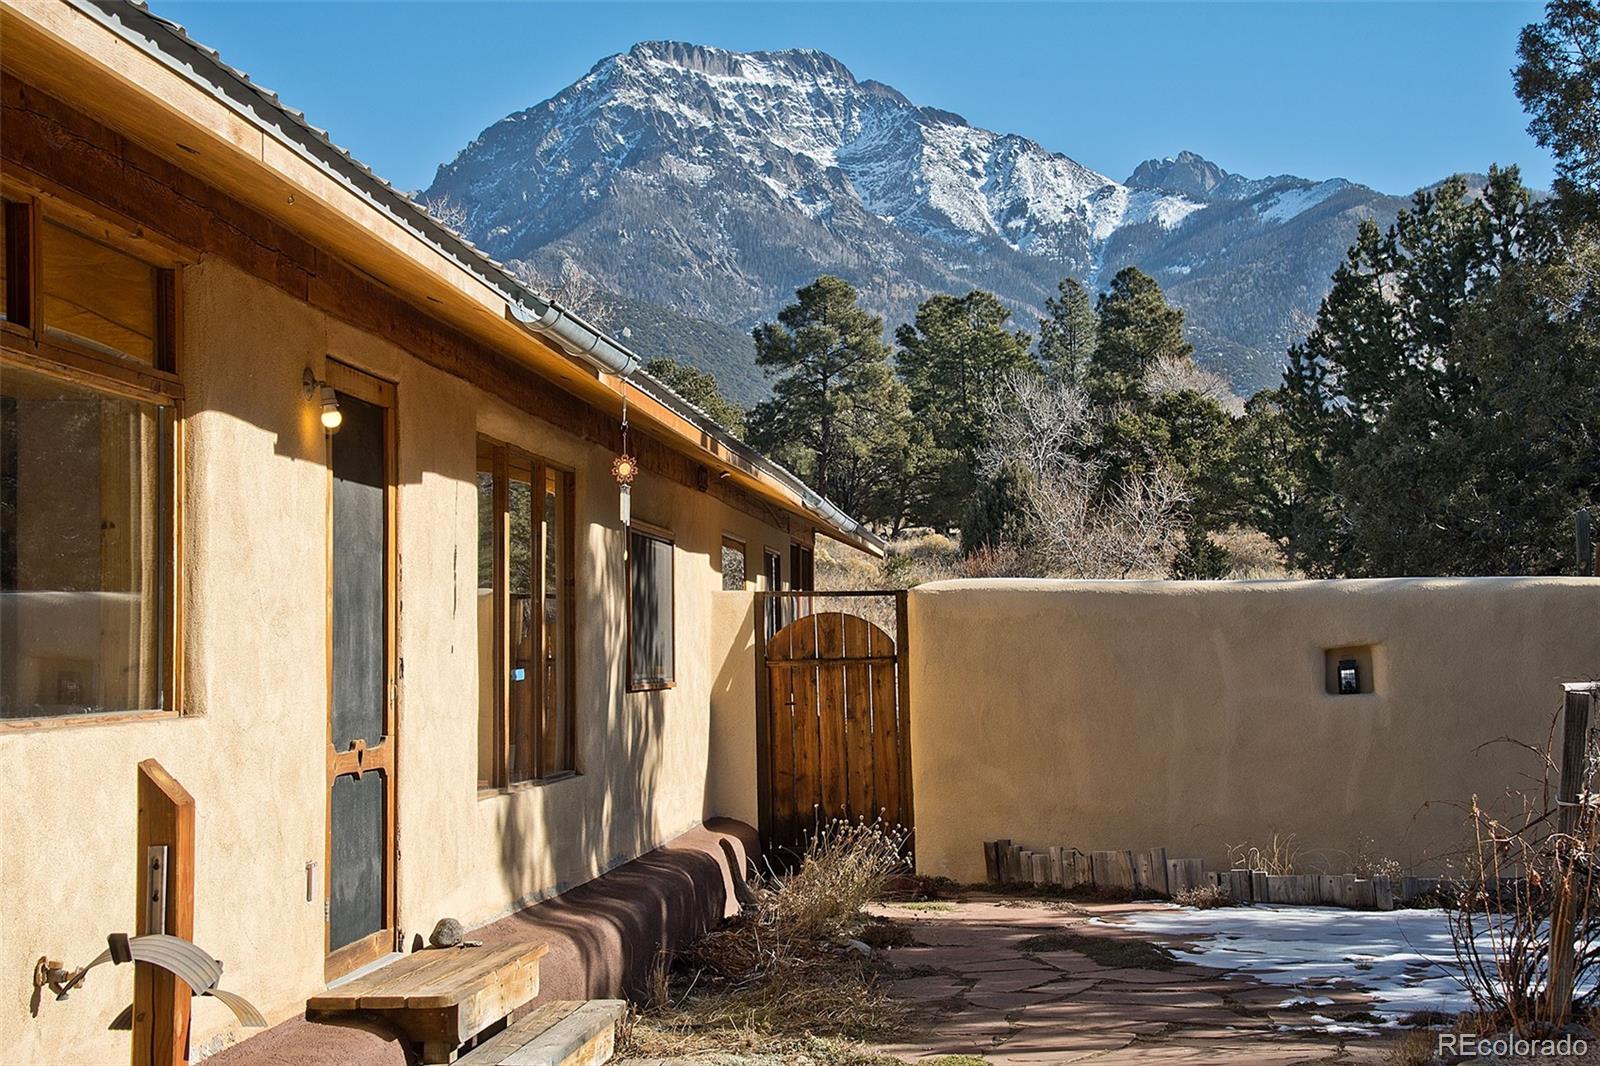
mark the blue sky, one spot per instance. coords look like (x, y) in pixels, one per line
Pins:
(1394, 95)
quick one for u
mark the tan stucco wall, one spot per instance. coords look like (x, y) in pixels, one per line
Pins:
(731, 788)
(252, 750)
(1193, 715)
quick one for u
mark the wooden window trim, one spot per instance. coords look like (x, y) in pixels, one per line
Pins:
(24, 345)
(504, 460)
(665, 536)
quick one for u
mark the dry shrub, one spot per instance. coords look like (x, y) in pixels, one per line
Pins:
(1523, 866)
(1277, 855)
(1252, 555)
(1205, 897)
(782, 979)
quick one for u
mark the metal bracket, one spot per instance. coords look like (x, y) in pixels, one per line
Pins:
(155, 889)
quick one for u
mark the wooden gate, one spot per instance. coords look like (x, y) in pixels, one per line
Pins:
(833, 729)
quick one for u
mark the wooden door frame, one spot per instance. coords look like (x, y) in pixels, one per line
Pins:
(360, 759)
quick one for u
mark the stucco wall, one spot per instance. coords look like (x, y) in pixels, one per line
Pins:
(731, 784)
(252, 746)
(1194, 715)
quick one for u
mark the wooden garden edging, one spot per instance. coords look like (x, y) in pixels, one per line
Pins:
(1153, 873)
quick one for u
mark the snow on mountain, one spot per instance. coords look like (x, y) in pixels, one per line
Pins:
(714, 183)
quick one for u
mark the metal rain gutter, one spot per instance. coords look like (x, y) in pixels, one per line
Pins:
(171, 45)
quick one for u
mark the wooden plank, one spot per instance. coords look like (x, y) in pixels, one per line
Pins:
(583, 1038)
(1258, 886)
(509, 1039)
(902, 644)
(991, 867)
(1056, 877)
(1383, 889)
(886, 737)
(1126, 877)
(781, 731)
(1194, 872)
(1002, 854)
(1158, 871)
(1100, 863)
(1040, 863)
(1144, 872)
(1082, 868)
(1239, 886)
(832, 766)
(161, 1002)
(1014, 863)
(859, 756)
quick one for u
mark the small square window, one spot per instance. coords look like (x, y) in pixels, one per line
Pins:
(1348, 671)
(733, 564)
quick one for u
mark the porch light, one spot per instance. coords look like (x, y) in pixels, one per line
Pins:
(314, 389)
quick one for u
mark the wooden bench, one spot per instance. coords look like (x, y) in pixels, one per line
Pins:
(560, 1033)
(442, 997)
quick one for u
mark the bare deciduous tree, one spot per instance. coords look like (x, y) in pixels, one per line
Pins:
(1075, 529)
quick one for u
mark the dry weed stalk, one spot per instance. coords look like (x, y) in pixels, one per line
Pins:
(1275, 856)
(1522, 864)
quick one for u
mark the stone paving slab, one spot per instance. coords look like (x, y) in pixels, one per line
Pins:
(994, 1000)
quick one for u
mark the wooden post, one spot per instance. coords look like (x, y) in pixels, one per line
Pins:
(1569, 792)
(160, 998)
(764, 826)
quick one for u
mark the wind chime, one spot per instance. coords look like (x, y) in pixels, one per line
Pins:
(625, 467)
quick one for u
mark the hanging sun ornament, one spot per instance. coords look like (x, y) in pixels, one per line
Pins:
(625, 467)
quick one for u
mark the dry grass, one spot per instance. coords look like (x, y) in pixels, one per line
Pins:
(1278, 855)
(1252, 555)
(782, 979)
(1205, 897)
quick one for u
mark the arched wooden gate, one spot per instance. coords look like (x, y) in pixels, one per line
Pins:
(833, 730)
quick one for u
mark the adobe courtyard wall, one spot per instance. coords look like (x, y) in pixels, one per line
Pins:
(1195, 715)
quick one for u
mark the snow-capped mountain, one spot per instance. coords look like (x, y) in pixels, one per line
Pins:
(714, 183)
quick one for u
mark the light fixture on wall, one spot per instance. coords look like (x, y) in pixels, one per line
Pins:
(327, 399)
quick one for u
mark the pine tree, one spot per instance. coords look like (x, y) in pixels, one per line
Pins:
(1068, 333)
(951, 358)
(1138, 331)
(837, 414)
(700, 388)
(1558, 82)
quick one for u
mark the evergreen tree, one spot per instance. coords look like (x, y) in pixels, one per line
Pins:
(1434, 422)
(1138, 330)
(1068, 333)
(1558, 82)
(700, 388)
(951, 358)
(837, 414)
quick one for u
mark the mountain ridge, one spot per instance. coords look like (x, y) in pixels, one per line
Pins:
(713, 183)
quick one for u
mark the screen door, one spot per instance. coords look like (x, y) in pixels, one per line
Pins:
(360, 870)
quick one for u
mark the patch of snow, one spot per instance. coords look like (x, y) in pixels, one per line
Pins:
(1404, 959)
(1285, 205)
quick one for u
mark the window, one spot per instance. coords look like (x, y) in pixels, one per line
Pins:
(733, 564)
(87, 480)
(802, 574)
(772, 567)
(650, 628)
(525, 618)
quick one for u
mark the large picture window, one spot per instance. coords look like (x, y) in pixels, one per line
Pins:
(650, 609)
(87, 477)
(525, 618)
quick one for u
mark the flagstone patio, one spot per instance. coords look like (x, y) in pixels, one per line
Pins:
(989, 989)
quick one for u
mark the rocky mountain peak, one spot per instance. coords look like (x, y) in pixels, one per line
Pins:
(1186, 174)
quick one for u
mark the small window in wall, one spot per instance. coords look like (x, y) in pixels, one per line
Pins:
(1348, 671)
(733, 564)
(650, 610)
(525, 609)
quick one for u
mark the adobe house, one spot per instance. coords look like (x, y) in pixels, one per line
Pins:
(309, 501)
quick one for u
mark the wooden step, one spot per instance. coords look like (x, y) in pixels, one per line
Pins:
(441, 998)
(561, 1033)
